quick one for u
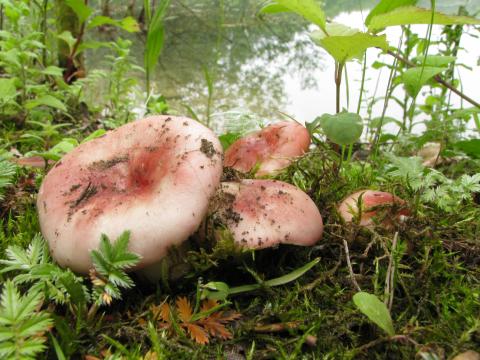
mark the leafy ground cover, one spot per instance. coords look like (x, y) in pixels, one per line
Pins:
(411, 290)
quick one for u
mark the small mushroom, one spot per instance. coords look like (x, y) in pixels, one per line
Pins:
(272, 148)
(265, 213)
(153, 177)
(430, 154)
(378, 205)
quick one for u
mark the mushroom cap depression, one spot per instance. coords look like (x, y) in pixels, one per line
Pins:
(265, 213)
(153, 177)
(273, 148)
(374, 203)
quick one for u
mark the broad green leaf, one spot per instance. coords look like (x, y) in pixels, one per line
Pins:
(68, 38)
(228, 139)
(309, 9)
(81, 10)
(273, 8)
(215, 290)
(410, 15)
(46, 100)
(375, 310)
(435, 60)
(128, 24)
(53, 71)
(7, 90)
(415, 78)
(343, 128)
(155, 37)
(385, 6)
(469, 147)
(345, 44)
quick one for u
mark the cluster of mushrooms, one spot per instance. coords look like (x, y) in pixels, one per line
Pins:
(156, 178)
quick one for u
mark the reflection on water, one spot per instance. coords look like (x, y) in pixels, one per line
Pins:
(256, 65)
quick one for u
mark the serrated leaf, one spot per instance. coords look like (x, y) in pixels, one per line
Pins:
(415, 78)
(197, 333)
(8, 90)
(345, 44)
(410, 15)
(385, 6)
(375, 310)
(184, 309)
(80, 9)
(343, 128)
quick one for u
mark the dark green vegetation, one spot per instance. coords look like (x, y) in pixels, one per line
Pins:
(425, 270)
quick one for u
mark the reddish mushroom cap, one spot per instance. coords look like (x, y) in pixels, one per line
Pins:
(273, 148)
(153, 177)
(265, 213)
(370, 199)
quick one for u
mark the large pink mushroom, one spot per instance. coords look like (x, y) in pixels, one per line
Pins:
(375, 205)
(153, 177)
(265, 213)
(272, 148)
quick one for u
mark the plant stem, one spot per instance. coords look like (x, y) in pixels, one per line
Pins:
(338, 82)
(438, 79)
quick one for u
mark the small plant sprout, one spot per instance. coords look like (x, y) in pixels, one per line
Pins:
(270, 149)
(145, 176)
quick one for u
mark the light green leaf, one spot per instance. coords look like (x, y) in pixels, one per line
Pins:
(375, 310)
(215, 290)
(435, 60)
(309, 9)
(96, 134)
(415, 78)
(345, 44)
(376, 122)
(128, 24)
(385, 6)
(343, 128)
(273, 8)
(53, 71)
(470, 147)
(409, 15)
(81, 10)
(7, 90)
(155, 37)
(46, 100)
(68, 38)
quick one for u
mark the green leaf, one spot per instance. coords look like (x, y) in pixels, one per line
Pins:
(96, 134)
(273, 8)
(215, 290)
(155, 37)
(46, 100)
(68, 38)
(376, 122)
(385, 6)
(435, 60)
(375, 310)
(128, 24)
(53, 71)
(415, 78)
(309, 9)
(469, 147)
(345, 44)
(80, 9)
(228, 139)
(410, 15)
(343, 128)
(282, 280)
(7, 90)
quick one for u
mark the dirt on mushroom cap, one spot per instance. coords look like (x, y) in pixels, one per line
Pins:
(151, 176)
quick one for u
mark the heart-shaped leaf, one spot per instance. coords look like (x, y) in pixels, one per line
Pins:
(343, 128)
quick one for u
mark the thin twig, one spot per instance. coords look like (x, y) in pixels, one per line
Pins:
(350, 269)
(437, 78)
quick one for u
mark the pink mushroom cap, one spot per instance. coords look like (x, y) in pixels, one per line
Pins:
(265, 213)
(153, 177)
(370, 200)
(273, 148)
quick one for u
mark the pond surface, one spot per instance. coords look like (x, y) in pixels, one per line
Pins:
(265, 67)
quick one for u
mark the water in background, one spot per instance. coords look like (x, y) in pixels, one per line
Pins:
(264, 67)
